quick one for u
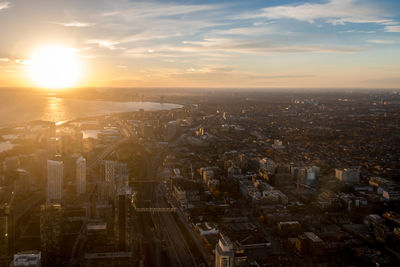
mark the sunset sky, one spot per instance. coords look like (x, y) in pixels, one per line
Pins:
(275, 43)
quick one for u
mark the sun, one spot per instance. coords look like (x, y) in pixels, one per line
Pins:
(55, 67)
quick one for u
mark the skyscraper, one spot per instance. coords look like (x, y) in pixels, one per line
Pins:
(80, 175)
(108, 170)
(121, 222)
(224, 254)
(50, 233)
(6, 234)
(53, 146)
(55, 172)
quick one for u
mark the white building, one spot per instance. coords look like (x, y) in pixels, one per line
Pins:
(80, 175)
(312, 174)
(55, 172)
(224, 253)
(207, 228)
(27, 259)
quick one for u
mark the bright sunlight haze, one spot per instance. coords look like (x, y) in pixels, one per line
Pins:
(55, 67)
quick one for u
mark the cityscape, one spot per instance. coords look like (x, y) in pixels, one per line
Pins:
(264, 179)
(200, 133)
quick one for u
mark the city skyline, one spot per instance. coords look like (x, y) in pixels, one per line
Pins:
(333, 43)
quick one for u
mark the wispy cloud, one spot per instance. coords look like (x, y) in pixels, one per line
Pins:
(254, 30)
(75, 24)
(333, 11)
(393, 28)
(4, 59)
(4, 5)
(198, 42)
(261, 46)
(108, 44)
(133, 11)
(384, 42)
(357, 31)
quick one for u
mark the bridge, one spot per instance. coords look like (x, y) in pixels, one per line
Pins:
(155, 209)
(152, 209)
(147, 181)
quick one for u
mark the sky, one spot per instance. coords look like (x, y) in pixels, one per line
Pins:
(267, 44)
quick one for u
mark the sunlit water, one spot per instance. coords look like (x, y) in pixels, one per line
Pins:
(18, 107)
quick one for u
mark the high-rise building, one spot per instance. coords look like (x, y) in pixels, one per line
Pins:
(124, 213)
(172, 128)
(80, 175)
(53, 146)
(27, 259)
(108, 170)
(6, 234)
(224, 253)
(50, 233)
(71, 141)
(40, 161)
(11, 164)
(55, 172)
(22, 183)
(121, 222)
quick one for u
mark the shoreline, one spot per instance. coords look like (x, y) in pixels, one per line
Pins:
(61, 122)
(65, 122)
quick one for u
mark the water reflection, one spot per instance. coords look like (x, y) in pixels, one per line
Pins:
(19, 107)
(55, 109)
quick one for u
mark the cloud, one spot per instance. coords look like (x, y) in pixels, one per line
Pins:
(393, 28)
(260, 46)
(384, 42)
(358, 31)
(23, 61)
(333, 11)
(4, 5)
(109, 44)
(4, 59)
(255, 30)
(75, 24)
(133, 11)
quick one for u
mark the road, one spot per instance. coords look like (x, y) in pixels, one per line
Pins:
(124, 129)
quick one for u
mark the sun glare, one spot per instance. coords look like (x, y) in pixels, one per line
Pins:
(55, 67)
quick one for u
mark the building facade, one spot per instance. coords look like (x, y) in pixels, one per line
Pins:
(55, 172)
(224, 253)
(80, 176)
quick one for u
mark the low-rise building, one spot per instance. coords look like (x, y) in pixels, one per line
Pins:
(348, 175)
(27, 259)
